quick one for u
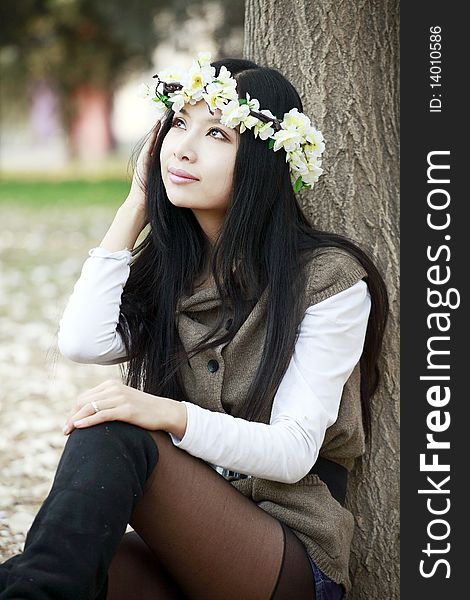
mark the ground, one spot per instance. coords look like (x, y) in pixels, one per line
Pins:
(42, 251)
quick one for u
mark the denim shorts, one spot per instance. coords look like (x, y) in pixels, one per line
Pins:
(325, 588)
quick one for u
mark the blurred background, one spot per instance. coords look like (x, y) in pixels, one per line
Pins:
(70, 121)
(70, 68)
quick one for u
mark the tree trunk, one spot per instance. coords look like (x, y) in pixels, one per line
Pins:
(343, 59)
(90, 124)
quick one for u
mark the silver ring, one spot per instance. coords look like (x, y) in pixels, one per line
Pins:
(95, 406)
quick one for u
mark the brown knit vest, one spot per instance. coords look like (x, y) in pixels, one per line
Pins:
(321, 523)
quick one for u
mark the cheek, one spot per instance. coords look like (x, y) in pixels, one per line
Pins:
(223, 176)
(168, 145)
(164, 151)
(230, 166)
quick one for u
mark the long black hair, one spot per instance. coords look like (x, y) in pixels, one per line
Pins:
(265, 239)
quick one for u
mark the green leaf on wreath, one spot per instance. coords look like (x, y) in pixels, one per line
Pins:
(298, 184)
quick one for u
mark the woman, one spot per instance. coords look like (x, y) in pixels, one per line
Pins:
(251, 341)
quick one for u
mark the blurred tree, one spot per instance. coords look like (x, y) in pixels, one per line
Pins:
(86, 49)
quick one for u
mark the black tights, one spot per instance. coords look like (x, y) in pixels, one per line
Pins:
(197, 537)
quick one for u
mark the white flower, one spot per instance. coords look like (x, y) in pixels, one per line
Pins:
(247, 122)
(314, 172)
(233, 114)
(217, 95)
(193, 85)
(212, 99)
(298, 161)
(268, 113)
(315, 145)
(229, 93)
(309, 170)
(204, 58)
(225, 77)
(293, 120)
(208, 73)
(205, 72)
(253, 104)
(171, 74)
(143, 90)
(179, 99)
(220, 90)
(195, 80)
(313, 135)
(288, 139)
(264, 130)
(160, 106)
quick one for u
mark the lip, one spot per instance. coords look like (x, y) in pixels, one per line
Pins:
(180, 176)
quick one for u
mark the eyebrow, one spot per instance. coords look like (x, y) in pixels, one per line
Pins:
(183, 111)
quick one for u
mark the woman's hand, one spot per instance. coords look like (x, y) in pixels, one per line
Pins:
(138, 194)
(119, 402)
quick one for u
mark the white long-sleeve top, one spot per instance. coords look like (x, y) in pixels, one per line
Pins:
(329, 345)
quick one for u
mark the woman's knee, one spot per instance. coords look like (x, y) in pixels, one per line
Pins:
(132, 442)
(109, 428)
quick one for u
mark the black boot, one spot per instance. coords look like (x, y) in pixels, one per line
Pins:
(71, 543)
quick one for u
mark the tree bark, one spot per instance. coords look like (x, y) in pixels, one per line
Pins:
(343, 58)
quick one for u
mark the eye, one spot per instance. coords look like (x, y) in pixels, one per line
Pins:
(218, 131)
(177, 120)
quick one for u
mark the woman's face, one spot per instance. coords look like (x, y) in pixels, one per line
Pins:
(200, 145)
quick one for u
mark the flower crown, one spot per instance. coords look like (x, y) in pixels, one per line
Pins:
(303, 143)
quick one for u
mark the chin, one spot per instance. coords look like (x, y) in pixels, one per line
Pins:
(181, 199)
(179, 202)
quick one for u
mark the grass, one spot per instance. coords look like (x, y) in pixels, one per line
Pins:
(40, 192)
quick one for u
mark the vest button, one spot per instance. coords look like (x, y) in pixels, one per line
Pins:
(212, 366)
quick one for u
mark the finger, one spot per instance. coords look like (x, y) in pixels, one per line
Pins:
(157, 127)
(154, 137)
(86, 411)
(96, 393)
(83, 399)
(99, 417)
(76, 416)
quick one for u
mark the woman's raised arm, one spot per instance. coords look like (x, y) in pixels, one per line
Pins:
(87, 330)
(132, 216)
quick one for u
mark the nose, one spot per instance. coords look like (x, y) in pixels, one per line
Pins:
(185, 155)
(184, 151)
